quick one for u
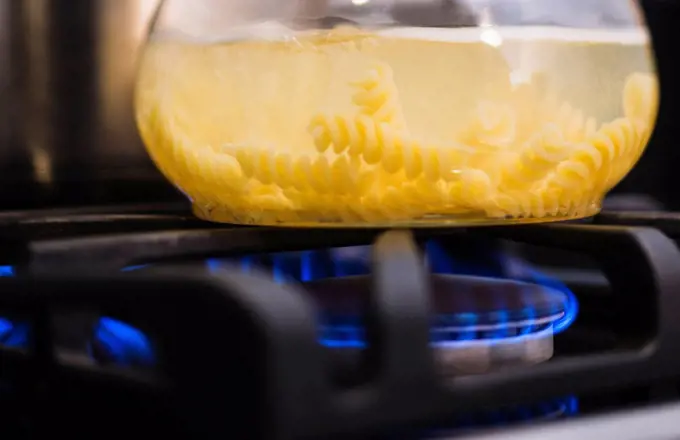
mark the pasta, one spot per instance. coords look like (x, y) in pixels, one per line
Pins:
(195, 169)
(473, 190)
(424, 191)
(526, 204)
(597, 165)
(363, 133)
(634, 137)
(378, 143)
(355, 136)
(377, 96)
(557, 172)
(640, 97)
(580, 172)
(573, 125)
(539, 156)
(520, 156)
(316, 174)
(493, 125)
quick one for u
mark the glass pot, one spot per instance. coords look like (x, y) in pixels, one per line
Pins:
(396, 112)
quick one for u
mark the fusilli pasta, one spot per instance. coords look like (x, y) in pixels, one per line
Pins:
(355, 136)
(517, 205)
(304, 173)
(202, 172)
(573, 125)
(538, 157)
(635, 135)
(378, 143)
(474, 189)
(640, 98)
(377, 96)
(378, 173)
(493, 125)
(591, 165)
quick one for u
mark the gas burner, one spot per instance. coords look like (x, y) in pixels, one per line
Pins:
(484, 319)
(146, 330)
(480, 324)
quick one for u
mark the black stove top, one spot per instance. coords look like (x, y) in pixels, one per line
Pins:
(142, 319)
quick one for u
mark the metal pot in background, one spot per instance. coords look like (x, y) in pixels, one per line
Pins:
(4, 76)
(71, 137)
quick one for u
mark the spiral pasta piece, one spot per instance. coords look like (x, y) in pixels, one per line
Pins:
(493, 125)
(213, 178)
(443, 162)
(414, 159)
(302, 172)
(474, 189)
(592, 163)
(579, 173)
(635, 135)
(424, 192)
(540, 156)
(377, 96)
(575, 127)
(526, 204)
(640, 104)
(356, 136)
(378, 143)
(392, 203)
(640, 98)
(203, 172)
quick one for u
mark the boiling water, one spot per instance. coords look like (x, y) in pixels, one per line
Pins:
(402, 126)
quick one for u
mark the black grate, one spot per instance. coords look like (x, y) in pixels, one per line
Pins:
(246, 359)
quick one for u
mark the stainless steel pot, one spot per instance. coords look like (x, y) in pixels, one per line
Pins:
(71, 133)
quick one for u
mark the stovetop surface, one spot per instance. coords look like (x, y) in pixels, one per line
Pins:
(148, 315)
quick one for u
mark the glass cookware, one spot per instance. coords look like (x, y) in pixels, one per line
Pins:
(396, 112)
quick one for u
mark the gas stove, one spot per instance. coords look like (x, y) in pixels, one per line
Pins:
(142, 319)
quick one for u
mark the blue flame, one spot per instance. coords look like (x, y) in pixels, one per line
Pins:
(133, 268)
(460, 328)
(547, 410)
(570, 306)
(124, 344)
(14, 334)
(347, 331)
(501, 266)
(303, 266)
(440, 261)
(335, 335)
